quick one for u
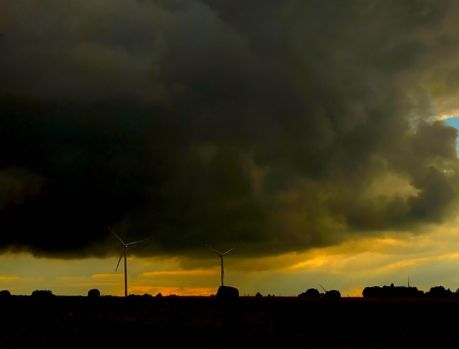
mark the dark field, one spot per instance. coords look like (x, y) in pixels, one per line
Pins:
(111, 322)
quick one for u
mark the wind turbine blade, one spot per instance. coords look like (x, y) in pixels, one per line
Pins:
(215, 250)
(117, 236)
(228, 251)
(119, 261)
(135, 242)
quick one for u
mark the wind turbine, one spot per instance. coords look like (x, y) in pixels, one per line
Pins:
(221, 254)
(125, 246)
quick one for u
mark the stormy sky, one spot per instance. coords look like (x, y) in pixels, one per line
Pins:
(274, 126)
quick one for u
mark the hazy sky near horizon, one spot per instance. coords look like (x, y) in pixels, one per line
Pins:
(310, 135)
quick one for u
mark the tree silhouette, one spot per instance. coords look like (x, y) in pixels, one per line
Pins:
(333, 294)
(391, 291)
(439, 292)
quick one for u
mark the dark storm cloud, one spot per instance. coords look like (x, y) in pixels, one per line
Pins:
(274, 125)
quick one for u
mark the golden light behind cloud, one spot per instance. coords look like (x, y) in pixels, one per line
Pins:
(428, 259)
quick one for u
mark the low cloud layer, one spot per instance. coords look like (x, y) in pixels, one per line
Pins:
(273, 126)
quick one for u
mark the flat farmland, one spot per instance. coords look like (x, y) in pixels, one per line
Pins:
(203, 322)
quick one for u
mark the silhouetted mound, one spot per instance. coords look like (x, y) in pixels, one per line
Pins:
(439, 292)
(227, 293)
(45, 294)
(392, 292)
(333, 294)
(310, 293)
(94, 293)
(258, 295)
(5, 294)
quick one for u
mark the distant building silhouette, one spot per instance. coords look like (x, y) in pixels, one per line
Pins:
(391, 292)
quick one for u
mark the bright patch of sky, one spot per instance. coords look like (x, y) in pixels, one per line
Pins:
(454, 122)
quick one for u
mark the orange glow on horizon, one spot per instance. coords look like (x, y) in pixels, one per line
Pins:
(194, 272)
(178, 291)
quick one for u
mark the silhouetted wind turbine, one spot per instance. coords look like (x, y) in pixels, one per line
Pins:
(221, 254)
(124, 254)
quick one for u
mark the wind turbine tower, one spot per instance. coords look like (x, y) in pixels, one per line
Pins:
(221, 255)
(123, 254)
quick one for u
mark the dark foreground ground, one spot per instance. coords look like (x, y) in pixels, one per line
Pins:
(111, 322)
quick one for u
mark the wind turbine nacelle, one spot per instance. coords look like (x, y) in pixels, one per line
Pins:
(227, 294)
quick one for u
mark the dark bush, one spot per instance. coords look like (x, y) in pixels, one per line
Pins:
(42, 294)
(258, 295)
(94, 293)
(5, 294)
(372, 291)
